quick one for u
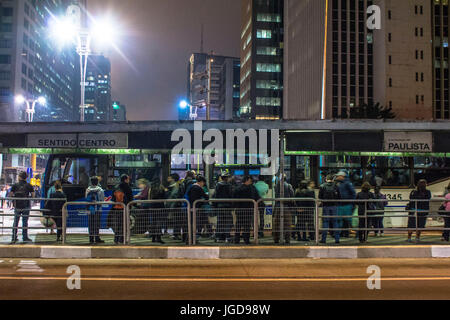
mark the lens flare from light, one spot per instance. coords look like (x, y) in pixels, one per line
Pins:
(42, 101)
(20, 99)
(183, 104)
(63, 30)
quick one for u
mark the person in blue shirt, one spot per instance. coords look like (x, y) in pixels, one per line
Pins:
(345, 209)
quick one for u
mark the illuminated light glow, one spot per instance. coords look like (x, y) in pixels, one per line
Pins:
(183, 104)
(63, 30)
(20, 99)
(104, 31)
(42, 101)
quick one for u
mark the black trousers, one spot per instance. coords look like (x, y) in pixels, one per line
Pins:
(117, 221)
(244, 225)
(446, 233)
(58, 221)
(224, 222)
(94, 226)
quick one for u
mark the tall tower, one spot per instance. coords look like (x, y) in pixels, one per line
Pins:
(262, 40)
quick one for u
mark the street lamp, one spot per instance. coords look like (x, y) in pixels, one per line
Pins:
(192, 109)
(70, 29)
(31, 105)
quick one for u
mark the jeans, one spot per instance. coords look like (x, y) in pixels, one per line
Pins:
(329, 211)
(25, 214)
(345, 223)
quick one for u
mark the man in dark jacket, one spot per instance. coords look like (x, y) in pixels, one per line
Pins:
(224, 216)
(330, 192)
(177, 215)
(197, 192)
(22, 208)
(345, 209)
(245, 210)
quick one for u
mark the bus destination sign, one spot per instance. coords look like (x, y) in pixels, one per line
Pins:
(80, 141)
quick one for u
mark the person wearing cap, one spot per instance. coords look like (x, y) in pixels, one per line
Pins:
(345, 209)
(22, 208)
(224, 190)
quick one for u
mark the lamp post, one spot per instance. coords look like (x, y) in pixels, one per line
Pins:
(72, 29)
(192, 109)
(31, 105)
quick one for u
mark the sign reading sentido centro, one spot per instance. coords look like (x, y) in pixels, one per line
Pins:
(80, 141)
(408, 142)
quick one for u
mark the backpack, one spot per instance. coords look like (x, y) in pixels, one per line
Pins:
(330, 192)
(92, 196)
(21, 192)
(118, 196)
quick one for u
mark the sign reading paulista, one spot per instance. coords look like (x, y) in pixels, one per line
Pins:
(408, 142)
(80, 141)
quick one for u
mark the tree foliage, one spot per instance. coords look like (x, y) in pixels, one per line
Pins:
(372, 111)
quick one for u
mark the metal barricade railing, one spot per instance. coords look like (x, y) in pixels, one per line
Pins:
(95, 216)
(11, 216)
(153, 215)
(369, 217)
(292, 216)
(230, 217)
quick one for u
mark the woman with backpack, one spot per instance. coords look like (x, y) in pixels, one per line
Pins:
(419, 203)
(365, 221)
(55, 207)
(95, 193)
(122, 194)
(305, 211)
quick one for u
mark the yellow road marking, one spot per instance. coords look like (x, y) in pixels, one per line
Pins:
(232, 279)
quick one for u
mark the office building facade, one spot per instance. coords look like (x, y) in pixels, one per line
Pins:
(98, 89)
(262, 41)
(402, 65)
(32, 65)
(212, 80)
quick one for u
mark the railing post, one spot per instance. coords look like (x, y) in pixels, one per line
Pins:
(317, 220)
(256, 221)
(189, 231)
(64, 223)
(281, 222)
(194, 223)
(417, 221)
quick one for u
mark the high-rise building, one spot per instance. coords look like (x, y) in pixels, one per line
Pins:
(118, 111)
(212, 80)
(262, 40)
(98, 89)
(403, 65)
(32, 65)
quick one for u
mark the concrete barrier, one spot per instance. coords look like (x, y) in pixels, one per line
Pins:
(206, 253)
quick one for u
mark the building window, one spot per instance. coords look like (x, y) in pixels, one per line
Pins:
(266, 51)
(5, 75)
(263, 34)
(268, 67)
(268, 17)
(7, 12)
(268, 101)
(390, 59)
(5, 43)
(268, 84)
(390, 37)
(5, 59)
(389, 14)
(390, 82)
(5, 92)
(6, 27)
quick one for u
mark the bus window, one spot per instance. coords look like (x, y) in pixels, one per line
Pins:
(431, 169)
(56, 170)
(80, 169)
(388, 171)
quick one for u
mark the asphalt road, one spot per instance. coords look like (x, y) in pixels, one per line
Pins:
(224, 279)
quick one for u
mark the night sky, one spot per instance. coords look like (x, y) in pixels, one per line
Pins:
(157, 37)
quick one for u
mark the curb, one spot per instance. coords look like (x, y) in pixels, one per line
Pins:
(209, 253)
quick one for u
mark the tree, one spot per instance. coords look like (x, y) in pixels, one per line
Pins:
(372, 111)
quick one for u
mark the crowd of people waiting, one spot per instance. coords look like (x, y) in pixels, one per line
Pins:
(336, 196)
